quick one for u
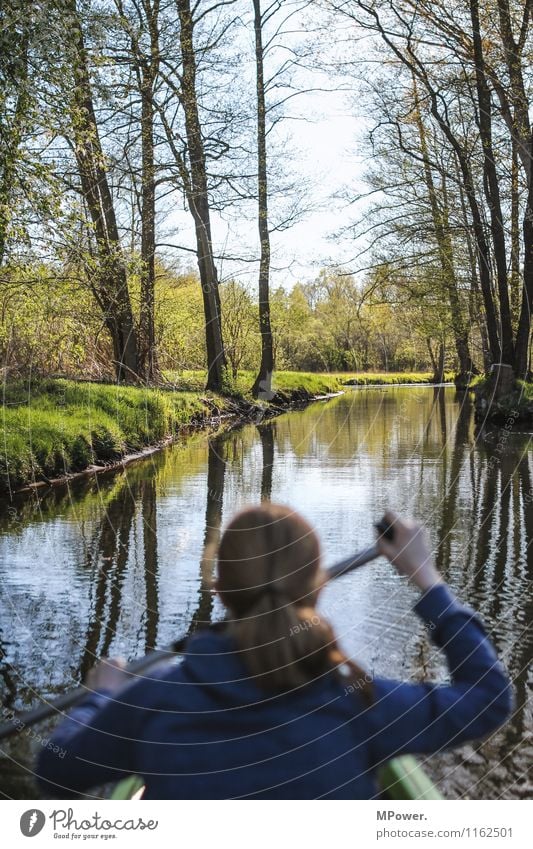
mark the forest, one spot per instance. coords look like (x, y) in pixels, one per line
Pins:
(116, 115)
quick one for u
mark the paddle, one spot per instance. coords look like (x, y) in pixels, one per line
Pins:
(22, 720)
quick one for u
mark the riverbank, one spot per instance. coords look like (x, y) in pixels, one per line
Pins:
(314, 382)
(515, 404)
(57, 429)
(394, 378)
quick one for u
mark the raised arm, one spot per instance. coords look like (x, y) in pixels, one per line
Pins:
(428, 717)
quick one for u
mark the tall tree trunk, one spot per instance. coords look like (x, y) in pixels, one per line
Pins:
(437, 361)
(519, 124)
(445, 251)
(476, 301)
(148, 354)
(515, 238)
(145, 65)
(523, 333)
(517, 117)
(416, 68)
(110, 285)
(492, 189)
(198, 200)
(262, 387)
(482, 247)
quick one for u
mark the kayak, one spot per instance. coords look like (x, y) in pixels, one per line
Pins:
(404, 778)
(399, 778)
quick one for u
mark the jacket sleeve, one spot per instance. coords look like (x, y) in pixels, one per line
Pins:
(96, 741)
(429, 717)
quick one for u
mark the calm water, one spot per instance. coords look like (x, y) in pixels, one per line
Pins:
(115, 565)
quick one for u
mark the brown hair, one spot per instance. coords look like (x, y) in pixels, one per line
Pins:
(268, 578)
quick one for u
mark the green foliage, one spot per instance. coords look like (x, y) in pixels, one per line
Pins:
(312, 383)
(242, 340)
(337, 323)
(285, 382)
(517, 405)
(525, 390)
(179, 321)
(48, 324)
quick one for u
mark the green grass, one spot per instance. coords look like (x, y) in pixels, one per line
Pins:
(283, 382)
(525, 390)
(392, 378)
(316, 383)
(60, 426)
(477, 381)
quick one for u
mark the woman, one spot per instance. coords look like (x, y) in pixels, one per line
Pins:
(267, 705)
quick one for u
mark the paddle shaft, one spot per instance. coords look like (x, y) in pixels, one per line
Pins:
(18, 722)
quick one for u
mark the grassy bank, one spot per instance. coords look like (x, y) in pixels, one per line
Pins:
(56, 427)
(61, 426)
(517, 405)
(284, 382)
(316, 383)
(392, 378)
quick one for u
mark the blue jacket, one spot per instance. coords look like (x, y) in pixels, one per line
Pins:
(203, 730)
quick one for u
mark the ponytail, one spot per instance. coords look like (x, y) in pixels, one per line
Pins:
(283, 640)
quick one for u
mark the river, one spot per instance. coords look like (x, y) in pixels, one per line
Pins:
(113, 565)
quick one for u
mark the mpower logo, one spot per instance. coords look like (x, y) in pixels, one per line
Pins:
(32, 822)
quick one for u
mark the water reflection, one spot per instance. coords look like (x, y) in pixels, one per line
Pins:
(216, 469)
(121, 564)
(149, 519)
(266, 435)
(107, 558)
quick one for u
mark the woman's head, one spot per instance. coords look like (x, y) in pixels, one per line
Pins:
(268, 552)
(269, 578)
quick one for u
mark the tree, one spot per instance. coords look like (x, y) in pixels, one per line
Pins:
(440, 217)
(110, 282)
(140, 24)
(198, 199)
(263, 382)
(14, 106)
